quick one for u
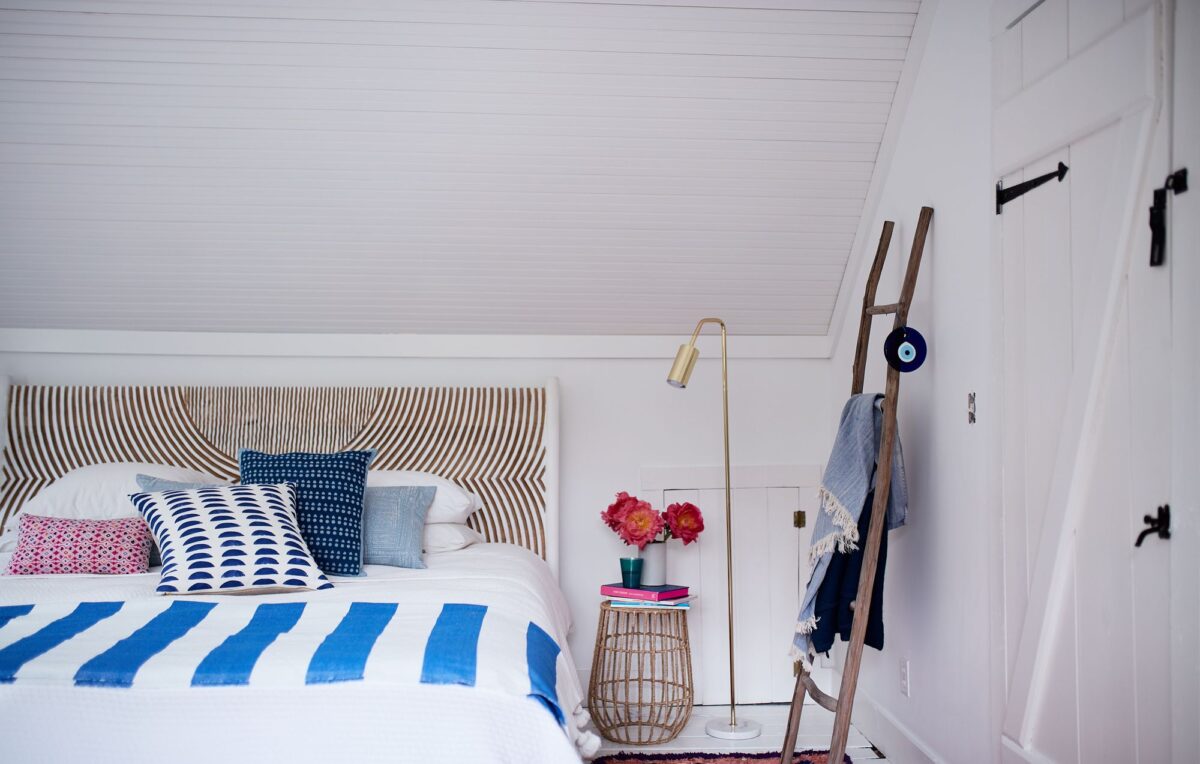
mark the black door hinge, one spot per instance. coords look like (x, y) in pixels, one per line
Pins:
(1006, 195)
(1176, 183)
(1159, 524)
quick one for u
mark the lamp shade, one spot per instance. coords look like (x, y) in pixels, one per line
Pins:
(685, 361)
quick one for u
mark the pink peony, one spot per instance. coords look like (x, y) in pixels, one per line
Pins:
(640, 525)
(614, 516)
(685, 521)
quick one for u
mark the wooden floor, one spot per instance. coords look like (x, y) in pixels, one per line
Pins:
(816, 727)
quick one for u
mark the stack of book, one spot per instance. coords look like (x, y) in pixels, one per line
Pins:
(668, 596)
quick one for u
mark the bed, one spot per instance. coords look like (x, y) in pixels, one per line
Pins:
(408, 701)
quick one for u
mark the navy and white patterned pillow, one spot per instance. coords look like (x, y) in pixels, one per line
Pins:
(229, 540)
(330, 507)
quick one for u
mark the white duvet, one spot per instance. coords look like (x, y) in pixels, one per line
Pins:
(346, 721)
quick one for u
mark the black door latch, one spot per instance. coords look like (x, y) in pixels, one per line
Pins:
(1160, 524)
(1176, 182)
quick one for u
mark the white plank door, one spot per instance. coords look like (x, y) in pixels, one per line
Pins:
(1087, 353)
(767, 552)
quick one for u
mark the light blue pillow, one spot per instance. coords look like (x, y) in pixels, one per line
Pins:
(151, 484)
(394, 525)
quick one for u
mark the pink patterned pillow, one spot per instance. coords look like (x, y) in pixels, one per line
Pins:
(62, 545)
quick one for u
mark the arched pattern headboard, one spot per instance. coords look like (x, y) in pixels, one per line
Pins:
(499, 442)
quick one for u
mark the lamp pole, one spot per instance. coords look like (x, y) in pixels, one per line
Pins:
(681, 372)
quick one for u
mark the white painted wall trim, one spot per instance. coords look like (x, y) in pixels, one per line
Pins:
(708, 477)
(84, 342)
(897, 742)
(866, 237)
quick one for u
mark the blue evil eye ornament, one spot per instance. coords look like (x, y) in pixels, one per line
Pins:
(905, 349)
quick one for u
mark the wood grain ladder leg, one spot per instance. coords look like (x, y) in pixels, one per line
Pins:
(866, 581)
(883, 483)
(793, 722)
(864, 321)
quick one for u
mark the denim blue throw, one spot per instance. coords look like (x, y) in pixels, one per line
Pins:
(848, 479)
(330, 508)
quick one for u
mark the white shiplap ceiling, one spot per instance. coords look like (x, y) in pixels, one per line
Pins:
(438, 166)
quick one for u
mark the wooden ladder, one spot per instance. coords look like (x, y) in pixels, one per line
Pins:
(844, 703)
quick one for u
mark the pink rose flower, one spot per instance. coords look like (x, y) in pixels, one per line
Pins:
(685, 521)
(614, 516)
(641, 524)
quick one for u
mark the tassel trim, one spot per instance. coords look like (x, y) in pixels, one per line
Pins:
(807, 625)
(844, 539)
(804, 658)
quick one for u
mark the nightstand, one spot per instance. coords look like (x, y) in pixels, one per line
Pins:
(640, 691)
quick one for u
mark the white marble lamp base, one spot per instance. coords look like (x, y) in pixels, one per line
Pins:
(721, 728)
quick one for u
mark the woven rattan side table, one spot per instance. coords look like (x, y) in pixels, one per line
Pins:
(640, 692)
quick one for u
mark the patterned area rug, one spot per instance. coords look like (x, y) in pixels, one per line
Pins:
(803, 757)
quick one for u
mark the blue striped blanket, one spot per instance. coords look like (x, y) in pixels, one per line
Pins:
(177, 643)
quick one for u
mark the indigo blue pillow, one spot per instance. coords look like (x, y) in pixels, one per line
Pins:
(394, 525)
(330, 507)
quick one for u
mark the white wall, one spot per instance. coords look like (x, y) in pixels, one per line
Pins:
(936, 596)
(618, 415)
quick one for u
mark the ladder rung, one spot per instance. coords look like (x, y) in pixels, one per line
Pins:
(828, 702)
(876, 310)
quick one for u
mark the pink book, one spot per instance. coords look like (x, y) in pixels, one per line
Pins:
(646, 593)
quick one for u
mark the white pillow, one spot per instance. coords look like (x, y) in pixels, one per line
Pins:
(449, 537)
(451, 504)
(96, 492)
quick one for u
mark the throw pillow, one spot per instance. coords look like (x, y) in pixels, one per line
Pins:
(65, 545)
(393, 524)
(229, 539)
(330, 504)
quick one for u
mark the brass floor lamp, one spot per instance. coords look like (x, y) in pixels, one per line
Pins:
(681, 372)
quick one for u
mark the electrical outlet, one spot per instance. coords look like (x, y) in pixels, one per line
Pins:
(905, 679)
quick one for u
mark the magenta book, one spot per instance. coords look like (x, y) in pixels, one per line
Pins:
(648, 593)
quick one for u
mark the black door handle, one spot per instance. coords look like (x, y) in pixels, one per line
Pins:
(1160, 524)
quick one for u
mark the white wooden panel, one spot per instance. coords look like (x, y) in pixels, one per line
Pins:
(757, 652)
(784, 546)
(1091, 20)
(767, 577)
(711, 656)
(1043, 40)
(684, 567)
(1047, 344)
(1015, 509)
(1006, 65)
(1091, 258)
(1055, 111)
(433, 167)
(1106, 650)
(1059, 741)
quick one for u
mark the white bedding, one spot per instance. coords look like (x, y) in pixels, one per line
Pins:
(332, 722)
